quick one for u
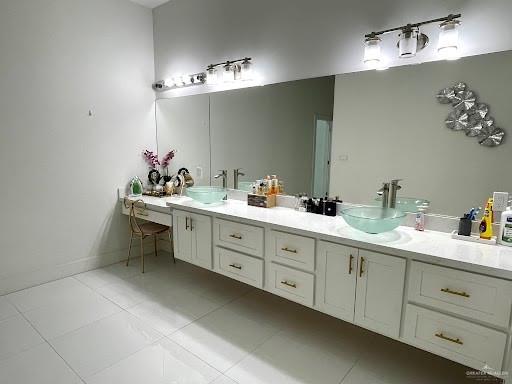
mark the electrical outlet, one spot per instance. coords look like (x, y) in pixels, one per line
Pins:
(500, 201)
(199, 173)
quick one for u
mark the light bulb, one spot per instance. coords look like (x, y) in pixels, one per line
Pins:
(408, 43)
(177, 81)
(372, 54)
(211, 76)
(186, 79)
(448, 45)
(169, 83)
(246, 70)
(229, 73)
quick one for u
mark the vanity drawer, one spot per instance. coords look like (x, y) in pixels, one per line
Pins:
(483, 298)
(240, 237)
(148, 215)
(292, 284)
(458, 340)
(295, 251)
(240, 267)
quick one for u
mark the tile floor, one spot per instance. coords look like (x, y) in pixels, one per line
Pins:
(182, 324)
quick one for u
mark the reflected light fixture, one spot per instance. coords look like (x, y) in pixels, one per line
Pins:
(411, 40)
(448, 45)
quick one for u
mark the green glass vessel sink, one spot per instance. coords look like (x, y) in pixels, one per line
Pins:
(373, 219)
(206, 194)
(410, 204)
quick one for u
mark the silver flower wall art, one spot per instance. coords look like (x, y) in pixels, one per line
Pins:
(470, 116)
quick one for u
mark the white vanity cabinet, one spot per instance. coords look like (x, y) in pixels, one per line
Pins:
(461, 314)
(380, 292)
(193, 238)
(361, 286)
(336, 283)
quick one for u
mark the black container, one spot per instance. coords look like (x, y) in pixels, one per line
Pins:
(465, 226)
(330, 208)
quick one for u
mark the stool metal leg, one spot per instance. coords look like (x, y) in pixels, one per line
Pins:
(129, 249)
(142, 253)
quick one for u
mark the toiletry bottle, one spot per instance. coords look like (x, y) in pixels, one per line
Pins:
(419, 224)
(486, 223)
(506, 228)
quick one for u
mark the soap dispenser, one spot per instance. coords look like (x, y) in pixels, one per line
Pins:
(487, 220)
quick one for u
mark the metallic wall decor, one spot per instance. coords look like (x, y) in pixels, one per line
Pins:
(469, 115)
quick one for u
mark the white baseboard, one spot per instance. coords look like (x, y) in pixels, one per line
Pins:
(29, 279)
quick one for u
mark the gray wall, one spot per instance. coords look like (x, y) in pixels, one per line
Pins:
(390, 125)
(60, 167)
(270, 130)
(298, 39)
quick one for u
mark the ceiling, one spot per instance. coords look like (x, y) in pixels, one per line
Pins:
(150, 3)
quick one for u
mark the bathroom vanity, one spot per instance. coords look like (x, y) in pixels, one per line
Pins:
(425, 289)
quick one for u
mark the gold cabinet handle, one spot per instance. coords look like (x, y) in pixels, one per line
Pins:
(234, 236)
(448, 290)
(456, 341)
(191, 226)
(186, 224)
(350, 264)
(286, 249)
(236, 266)
(289, 283)
(361, 267)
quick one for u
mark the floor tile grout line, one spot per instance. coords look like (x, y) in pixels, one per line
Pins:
(57, 353)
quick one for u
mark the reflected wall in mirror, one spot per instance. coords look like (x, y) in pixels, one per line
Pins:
(183, 124)
(271, 130)
(388, 124)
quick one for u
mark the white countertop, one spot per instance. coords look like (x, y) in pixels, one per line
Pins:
(428, 246)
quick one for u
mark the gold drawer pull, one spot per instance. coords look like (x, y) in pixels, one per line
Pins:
(361, 267)
(286, 249)
(236, 266)
(238, 237)
(448, 290)
(456, 341)
(350, 264)
(289, 283)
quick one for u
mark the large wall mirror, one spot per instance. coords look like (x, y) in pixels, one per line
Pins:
(347, 134)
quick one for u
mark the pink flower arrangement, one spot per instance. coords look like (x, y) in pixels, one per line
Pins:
(166, 160)
(151, 159)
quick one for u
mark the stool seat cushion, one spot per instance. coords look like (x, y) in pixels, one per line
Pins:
(153, 228)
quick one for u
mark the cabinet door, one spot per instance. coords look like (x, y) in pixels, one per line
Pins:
(182, 236)
(380, 290)
(336, 280)
(201, 240)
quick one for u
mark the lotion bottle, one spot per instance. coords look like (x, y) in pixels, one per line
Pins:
(505, 237)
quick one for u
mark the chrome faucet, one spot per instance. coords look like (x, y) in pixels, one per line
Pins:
(394, 189)
(224, 174)
(384, 192)
(236, 175)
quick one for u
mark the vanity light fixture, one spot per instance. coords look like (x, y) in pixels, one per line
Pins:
(180, 81)
(411, 40)
(231, 71)
(448, 45)
(372, 53)
(211, 75)
(226, 72)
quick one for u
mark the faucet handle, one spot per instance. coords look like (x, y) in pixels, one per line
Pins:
(396, 181)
